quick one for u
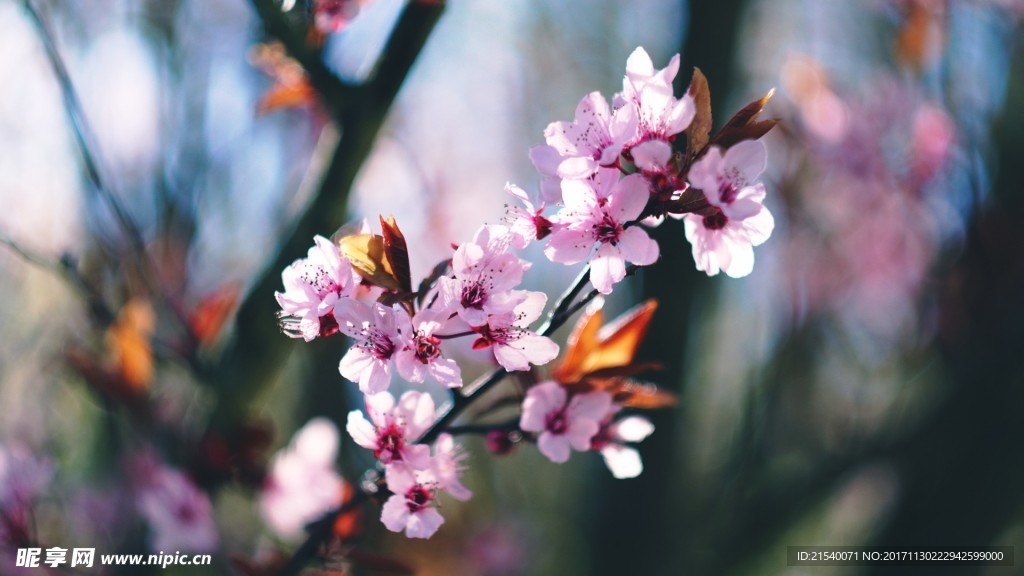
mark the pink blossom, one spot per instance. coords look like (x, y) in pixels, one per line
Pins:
(660, 114)
(562, 425)
(410, 508)
(482, 269)
(447, 466)
(723, 235)
(392, 429)
(421, 354)
(623, 460)
(380, 333)
(179, 515)
(599, 217)
(331, 16)
(301, 484)
(528, 223)
(23, 479)
(505, 332)
(313, 285)
(595, 138)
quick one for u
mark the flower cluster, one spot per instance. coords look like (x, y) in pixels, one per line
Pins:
(606, 177)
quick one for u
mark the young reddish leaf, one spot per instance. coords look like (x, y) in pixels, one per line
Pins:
(745, 125)
(291, 88)
(591, 347)
(367, 254)
(920, 40)
(348, 525)
(581, 343)
(209, 316)
(396, 252)
(700, 128)
(643, 396)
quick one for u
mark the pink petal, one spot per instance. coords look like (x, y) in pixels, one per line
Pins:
(446, 372)
(637, 247)
(632, 429)
(355, 363)
(592, 406)
(704, 173)
(417, 409)
(394, 514)
(556, 448)
(578, 196)
(606, 268)
(424, 523)
(748, 159)
(652, 155)
(581, 432)
(540, 401)
(400, 477)
(379, 406)
(577, 167)
(416, 456)
(629, 197)
(317, 442)
(623, 461)
(409, 367)
(361, 430)
(569, 246)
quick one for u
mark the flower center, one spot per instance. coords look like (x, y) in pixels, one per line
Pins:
(557, 423)
(427, 348)
(716, 221)
(607, 230)
(318, 279)
(418, 498)
(389, 444)
(380, 345)
(727, 191)
(474, 296)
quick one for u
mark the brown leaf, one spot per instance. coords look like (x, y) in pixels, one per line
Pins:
(396, 252)
(643, 396)
(700, 128)
(745, 125)
(581, 343)
(367, 254)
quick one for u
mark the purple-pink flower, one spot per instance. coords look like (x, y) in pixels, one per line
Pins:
(723, 235)
(421, 354)
(506, 332)
(481, 270)
(313, 285)
(392, 428)
(602, 217)
(563, 425)
(595, 138)
(179, 515)
(528, 223)
(380, 333)
(660, 114)
(301, 483)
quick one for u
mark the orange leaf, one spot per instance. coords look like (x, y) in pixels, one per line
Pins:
(592, 348)
(291, 87)
(367, 254)
(128, 342)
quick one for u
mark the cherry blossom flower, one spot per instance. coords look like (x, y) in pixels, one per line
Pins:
(410, 507)
(623, 460)
(301, 484)
(515, 347)
(660, 114)
(599, 217)
(528, 223)
(482, 269)
(313, 285)
(415, 489)
(563, 425)
(723, 236)
(595, 138)
(380, 333)
(179, 515)
(447, 467)
(392, 429)
(421, 354)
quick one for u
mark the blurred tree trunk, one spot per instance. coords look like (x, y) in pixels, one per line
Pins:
(645, 525)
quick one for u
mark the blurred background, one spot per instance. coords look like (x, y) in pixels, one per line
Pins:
(163, 160)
